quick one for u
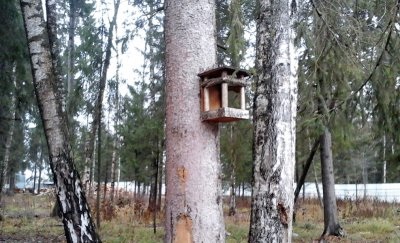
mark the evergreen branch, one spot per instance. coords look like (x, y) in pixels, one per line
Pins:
(333, 107)
(385, 48)
(378, 62)
(10, 118)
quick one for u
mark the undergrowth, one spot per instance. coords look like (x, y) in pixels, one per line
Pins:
(26, 219)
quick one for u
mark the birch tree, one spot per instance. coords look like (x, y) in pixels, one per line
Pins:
(75, 212)
(193, 199)
(274, 123)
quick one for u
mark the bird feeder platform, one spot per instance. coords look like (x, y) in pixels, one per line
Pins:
(223, 95)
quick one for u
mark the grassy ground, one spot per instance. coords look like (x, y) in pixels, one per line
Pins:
(26, 219)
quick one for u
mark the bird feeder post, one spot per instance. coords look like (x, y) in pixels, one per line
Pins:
(206, 99)
(242, 98)
(224, 91)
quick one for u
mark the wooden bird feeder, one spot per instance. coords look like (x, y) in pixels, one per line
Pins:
(223, 95)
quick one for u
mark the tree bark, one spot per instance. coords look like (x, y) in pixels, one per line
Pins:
(193, 170)
(331, 223)
(274, 120)
(75, 213)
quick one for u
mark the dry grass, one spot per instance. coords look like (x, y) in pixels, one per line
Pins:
(26, 220)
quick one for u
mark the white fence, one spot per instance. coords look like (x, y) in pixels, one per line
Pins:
(389, 192)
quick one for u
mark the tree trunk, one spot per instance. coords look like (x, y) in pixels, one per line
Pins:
(75, 211)
(98, 169)
(364, 174)
(153, 187)
(91, 171)
(154, 200)
(71, 46)
(11, 181)
(40, 172)
(303, 176)
(34, 178)
(113, 164)
(232, 198)
(331, 223)
(160, 181)
(10, 136)
(274, 118)
(102, 84)
(193, 170)
(321, 203)
(384, 158)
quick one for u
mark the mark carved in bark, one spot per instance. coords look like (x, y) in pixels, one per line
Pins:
(283, 214)
(182, 174)
(183, 230)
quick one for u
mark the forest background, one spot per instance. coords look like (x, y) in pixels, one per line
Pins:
(358, 60)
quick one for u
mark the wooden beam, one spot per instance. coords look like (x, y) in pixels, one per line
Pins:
(224, 93)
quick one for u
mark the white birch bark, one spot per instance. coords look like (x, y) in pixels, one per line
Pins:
(193, 199)
(274, 123)
(78, 225)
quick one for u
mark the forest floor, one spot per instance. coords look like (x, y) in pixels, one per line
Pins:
(25, 218)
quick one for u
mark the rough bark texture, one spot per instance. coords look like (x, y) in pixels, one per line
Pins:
(275, 103)
(75, 214)
(193, 199)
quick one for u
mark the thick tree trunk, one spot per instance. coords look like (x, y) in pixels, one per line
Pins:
(274, 118)
(331, 223)
(75, 211)
(193, 199)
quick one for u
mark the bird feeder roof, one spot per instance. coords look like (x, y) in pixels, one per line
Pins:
(217, 72)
